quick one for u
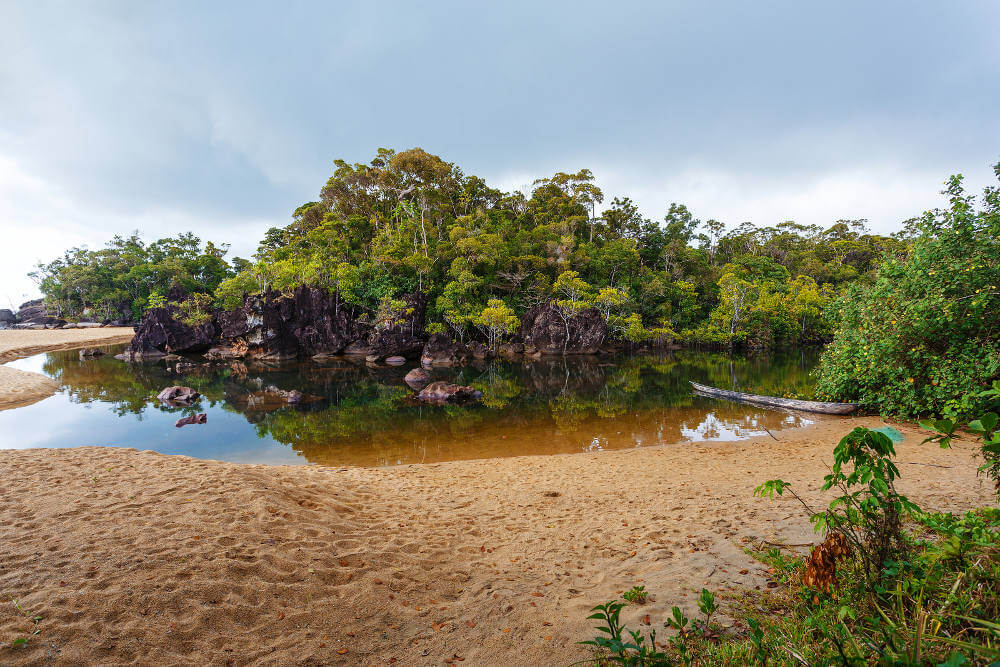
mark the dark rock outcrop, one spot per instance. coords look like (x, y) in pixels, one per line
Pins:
(403, 338)
(272, 326)
(546, 331)
(178, 395)
(7, 318)
(446, 392)
(441, 350)
(479, 350)
(511, 350)
(34, 314)
(160, 333)
(199, 418)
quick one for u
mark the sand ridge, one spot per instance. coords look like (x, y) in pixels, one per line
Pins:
(137, 557)
(19, 388)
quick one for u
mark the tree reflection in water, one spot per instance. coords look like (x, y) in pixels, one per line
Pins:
(359, 414)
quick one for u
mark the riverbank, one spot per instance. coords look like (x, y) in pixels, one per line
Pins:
(19, 388)
(126, 554)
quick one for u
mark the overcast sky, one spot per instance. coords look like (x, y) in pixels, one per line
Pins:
(220, 118)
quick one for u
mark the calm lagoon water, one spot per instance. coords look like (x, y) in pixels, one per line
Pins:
(365, 415)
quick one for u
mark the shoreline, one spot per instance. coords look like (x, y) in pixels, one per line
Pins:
(127, 553)
(20, 388)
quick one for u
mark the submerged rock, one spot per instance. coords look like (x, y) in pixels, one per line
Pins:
(288, 396)
(395, 361)
(178, 395)
(547, 331)
(199, 418)
(417, 378)
(446, 392)
(91, 352)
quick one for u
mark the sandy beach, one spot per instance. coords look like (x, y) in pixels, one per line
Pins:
(136, 557)
(19, 388)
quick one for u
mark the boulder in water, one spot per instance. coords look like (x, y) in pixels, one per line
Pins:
(446, 392)
(289, 396)
(178, 395)
(91, 352)
(417, 378)
(199, 418)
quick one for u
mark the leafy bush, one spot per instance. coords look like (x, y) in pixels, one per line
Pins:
(926, 332)
(119, 280)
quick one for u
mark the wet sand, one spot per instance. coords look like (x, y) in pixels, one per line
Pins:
(19, 388)
(132, 556)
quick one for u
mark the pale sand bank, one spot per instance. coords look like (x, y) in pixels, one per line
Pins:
(136, 557)
(19, 388)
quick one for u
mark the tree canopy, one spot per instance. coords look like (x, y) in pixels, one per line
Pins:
(410, 221)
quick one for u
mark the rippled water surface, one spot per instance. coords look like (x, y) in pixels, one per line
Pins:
(365, 415)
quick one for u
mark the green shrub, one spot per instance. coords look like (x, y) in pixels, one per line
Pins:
(928, 330)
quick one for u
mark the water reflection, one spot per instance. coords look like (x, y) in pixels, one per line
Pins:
(358, 414)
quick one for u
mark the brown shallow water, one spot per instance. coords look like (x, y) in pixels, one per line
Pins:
(365, 415)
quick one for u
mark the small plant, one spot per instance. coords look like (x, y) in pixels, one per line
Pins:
(22, 641)
(756, 636)
(679, 622)
(624, 646)
(707, 605)
(195, 310)
(636, 595)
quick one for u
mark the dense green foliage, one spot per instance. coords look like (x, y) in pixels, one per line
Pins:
(928, 330)
(411, 221)
(128, 276)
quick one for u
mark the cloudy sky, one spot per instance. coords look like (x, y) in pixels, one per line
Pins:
(220, 118)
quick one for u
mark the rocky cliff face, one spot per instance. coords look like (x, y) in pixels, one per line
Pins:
(405, 339)
(34, 314)
(545, 330)
(273, 326)
(160, 333)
